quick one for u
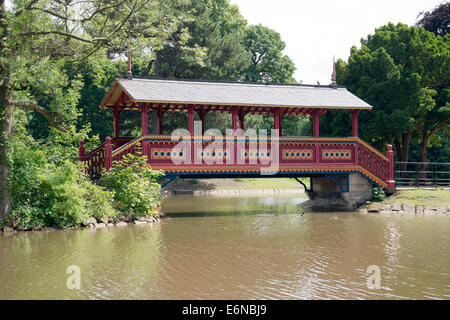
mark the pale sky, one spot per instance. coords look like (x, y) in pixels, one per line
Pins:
(315, 30)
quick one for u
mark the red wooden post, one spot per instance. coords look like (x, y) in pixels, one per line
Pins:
(315, 116)
(234, 114)
(160, 115)
(191, 130)
(116, 126)
(355, 122)
(241, 120)
(191, 120)
(116, 121)
(315, 123)
(144, 111)
(108, 153)
(277, 116)
(280, 123)
(82, 151)
(390, 156)
(202, 115)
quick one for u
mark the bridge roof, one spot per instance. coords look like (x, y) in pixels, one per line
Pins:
(214, 93)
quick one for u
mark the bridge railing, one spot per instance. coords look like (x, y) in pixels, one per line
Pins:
(326, 153)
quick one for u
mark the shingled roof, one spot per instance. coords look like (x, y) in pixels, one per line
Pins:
(233, 93)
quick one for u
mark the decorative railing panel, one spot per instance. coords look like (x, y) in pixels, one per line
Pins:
(249, 152)
(373, 161)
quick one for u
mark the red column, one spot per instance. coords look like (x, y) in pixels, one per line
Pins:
(390, 156)
(116, 122)
(241, 120)
(234, 114)
(315, 123)
(144, 111)
(116, 126)
(160, 114)
(81, 151)
(280, 123)
(108, 153)
(191, 120)
(315, 116)
(202, 115)
(276, 121)
(355, 122)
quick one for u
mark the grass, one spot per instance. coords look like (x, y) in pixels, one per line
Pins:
(437, 198)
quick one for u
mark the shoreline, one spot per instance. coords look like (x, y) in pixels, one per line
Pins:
(94, 223)
(403, 209)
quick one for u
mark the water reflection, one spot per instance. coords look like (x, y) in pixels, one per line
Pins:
(235, 248)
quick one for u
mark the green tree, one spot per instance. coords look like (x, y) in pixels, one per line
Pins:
(268, 64)
(39, 38)
(398, 70)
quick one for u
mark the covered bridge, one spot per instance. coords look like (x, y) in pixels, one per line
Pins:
(194, 154)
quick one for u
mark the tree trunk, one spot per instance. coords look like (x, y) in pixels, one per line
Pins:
(6, 126)
(6, 117)
(405, 146)
(404, 153)
(398, 148)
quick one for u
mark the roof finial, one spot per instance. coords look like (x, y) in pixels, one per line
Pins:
(129, 74)
(333, 80)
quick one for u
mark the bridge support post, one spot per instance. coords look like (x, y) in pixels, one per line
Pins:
(108, 154)
(338, 193)
(390, 156)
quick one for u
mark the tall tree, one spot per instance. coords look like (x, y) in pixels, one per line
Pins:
(268, 64)
(437, 20)
(398, 70)
(39, 37)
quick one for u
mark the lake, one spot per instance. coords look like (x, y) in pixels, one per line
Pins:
(241, 247)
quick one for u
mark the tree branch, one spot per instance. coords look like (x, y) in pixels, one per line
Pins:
(47, 115)
(66, 34)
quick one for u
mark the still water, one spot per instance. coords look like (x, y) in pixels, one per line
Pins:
(235, 248)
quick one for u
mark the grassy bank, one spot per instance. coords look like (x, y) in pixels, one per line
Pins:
(438, 198)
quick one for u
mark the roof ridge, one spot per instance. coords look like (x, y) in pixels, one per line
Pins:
(235, 82)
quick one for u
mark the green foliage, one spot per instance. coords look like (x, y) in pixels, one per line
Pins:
(268, 64)
(46, 194)
(378, 194)
(403, 72)
(136, 191)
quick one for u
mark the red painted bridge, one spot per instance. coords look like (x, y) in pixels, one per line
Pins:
(195, 152)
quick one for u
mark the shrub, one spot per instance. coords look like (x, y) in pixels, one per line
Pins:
(45, 194)
(136, 191)
(378, 194)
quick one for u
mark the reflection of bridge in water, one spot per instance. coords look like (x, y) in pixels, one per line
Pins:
(339, 167)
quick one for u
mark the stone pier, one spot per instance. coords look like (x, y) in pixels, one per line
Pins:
(338, 193)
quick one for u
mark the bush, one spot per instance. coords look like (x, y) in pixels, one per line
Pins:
(136, 192)
(45, 194)
(378, 194)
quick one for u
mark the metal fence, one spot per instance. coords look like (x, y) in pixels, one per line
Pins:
(422, 174)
